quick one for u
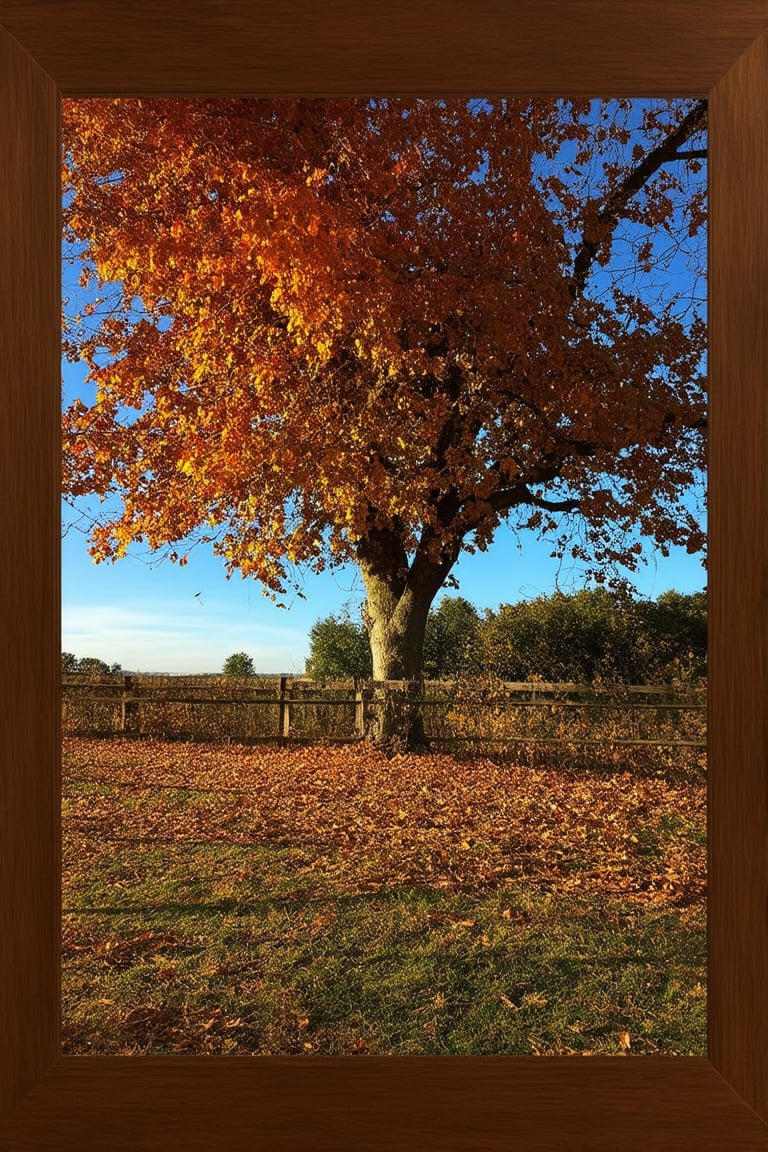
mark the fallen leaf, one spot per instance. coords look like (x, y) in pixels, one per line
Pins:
(535, 999)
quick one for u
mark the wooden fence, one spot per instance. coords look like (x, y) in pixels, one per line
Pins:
(123, 704)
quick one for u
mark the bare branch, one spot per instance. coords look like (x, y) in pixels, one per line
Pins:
(616, 202)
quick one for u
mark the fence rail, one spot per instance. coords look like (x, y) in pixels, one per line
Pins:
(125, 704)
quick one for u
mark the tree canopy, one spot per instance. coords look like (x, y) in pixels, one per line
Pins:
(338, 649)
(238, 664)
(597, 634)
(452, 640)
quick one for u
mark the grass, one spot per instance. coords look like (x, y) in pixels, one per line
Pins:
(192, 926)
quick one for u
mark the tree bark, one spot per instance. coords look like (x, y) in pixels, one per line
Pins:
(396, 627)
(399, 597)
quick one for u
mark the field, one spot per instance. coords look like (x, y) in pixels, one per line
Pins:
(232, 899)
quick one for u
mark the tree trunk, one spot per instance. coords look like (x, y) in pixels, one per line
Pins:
(399, 596)
(396, 625)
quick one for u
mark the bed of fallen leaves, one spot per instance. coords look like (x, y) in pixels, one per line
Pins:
(371, 823)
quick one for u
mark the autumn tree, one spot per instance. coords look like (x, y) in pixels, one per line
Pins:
(371, 331)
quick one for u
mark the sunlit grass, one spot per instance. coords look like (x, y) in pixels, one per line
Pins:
(276, 945)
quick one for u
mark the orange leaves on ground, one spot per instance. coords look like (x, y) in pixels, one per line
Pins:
(369, 822)
(126, 951)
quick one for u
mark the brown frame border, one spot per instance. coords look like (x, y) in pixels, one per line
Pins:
(716, 48)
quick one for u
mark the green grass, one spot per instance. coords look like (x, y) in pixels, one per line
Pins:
(278, 959)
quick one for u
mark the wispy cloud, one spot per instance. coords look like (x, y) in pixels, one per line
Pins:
(173, 639)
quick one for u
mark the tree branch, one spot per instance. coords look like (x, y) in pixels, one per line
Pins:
(616, 202)
(505, 498)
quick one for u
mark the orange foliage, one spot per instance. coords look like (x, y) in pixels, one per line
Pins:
(371, 822)
(342, 319)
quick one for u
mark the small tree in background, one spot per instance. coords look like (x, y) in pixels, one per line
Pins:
(239, 664)
(338, 650)
(452, 640)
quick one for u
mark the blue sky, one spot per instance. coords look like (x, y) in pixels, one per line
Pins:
(151, 616)
(188, 620)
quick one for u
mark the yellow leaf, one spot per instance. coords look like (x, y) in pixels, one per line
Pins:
(624, 1040)
(535, 999)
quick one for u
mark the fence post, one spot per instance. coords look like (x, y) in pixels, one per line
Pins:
(284, 719)
(128, 707)
(359, 710)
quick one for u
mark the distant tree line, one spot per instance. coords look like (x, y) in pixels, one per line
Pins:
(88, 665)
(594, 634)
(238, 664)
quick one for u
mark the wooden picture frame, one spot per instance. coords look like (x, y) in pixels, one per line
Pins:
(50, 48)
